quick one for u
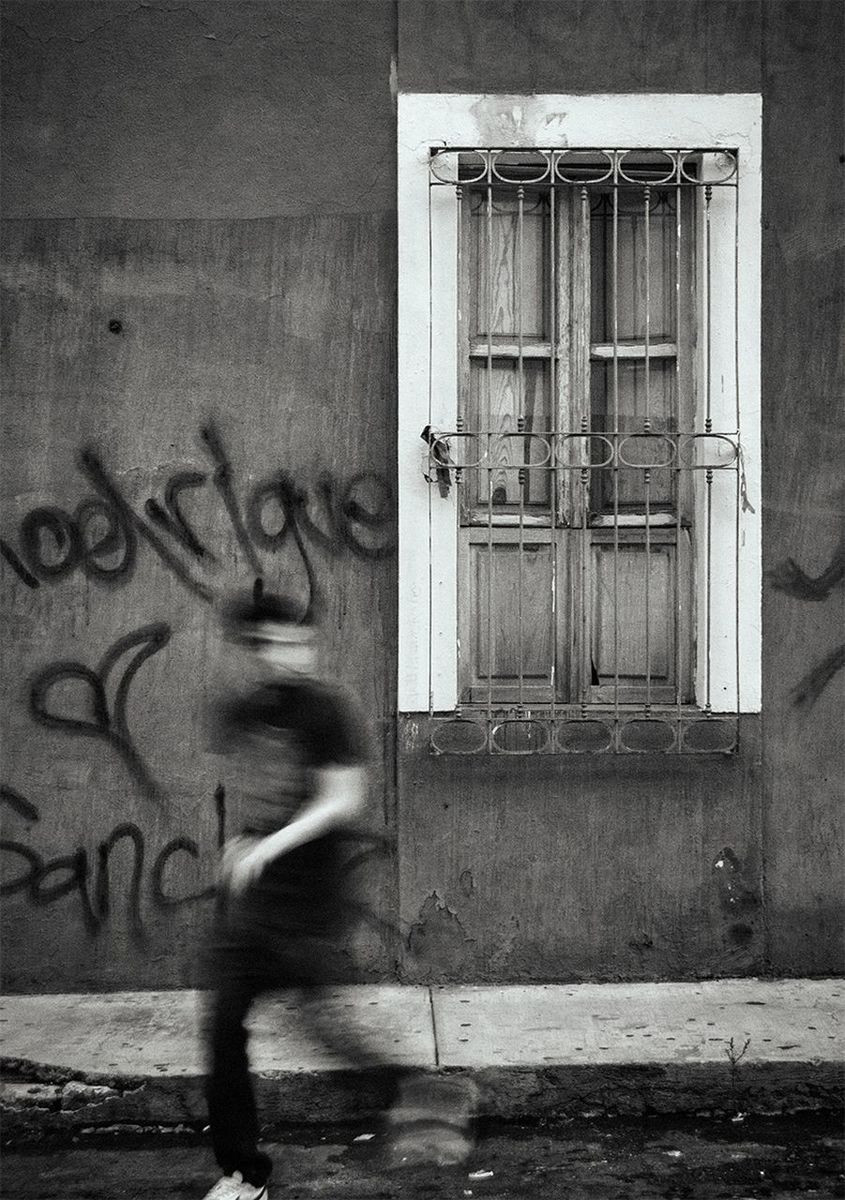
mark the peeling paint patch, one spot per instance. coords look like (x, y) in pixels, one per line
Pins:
(438, 939)
(519, 119)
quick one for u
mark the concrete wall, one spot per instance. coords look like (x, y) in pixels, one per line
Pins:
(564, 869)
(199, 291)
(199, 287)
(803, 546)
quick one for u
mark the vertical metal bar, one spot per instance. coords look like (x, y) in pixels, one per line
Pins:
(523, 476)
(430, 530)
(489, 470)
(647, 480)
(708, 194)
(489, 389)
(737, 605)
(614, 275)
(647, 428)
(708, 480)
(708, 475)
(462, 316)
(736, 297)
(462, 382)
(586, 649)
(646, 217)
(737, 510)
(677, 474)
(553, 446)
(615, 310)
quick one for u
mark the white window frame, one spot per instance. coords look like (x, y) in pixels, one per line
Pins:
(428, 298)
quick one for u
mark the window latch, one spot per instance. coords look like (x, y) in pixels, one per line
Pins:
(438, 452)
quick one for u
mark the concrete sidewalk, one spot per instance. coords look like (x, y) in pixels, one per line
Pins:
(134, 1059)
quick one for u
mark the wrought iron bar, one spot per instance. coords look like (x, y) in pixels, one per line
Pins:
(708, 194)
(647, 219)
(677, 477)
(737, 515)
(586, 650)
(708, 570)
(739, 497)
(708, 476)
(462, 334)
(647, 428)
(523, 477)
(430, 512)
(489, 379)
(585, 655)
(563, 168)
(555, 473)
(462, 330)
(615, 311)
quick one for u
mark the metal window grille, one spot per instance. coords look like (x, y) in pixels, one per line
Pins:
(595, 466)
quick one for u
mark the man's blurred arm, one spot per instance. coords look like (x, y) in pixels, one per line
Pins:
(339, 798)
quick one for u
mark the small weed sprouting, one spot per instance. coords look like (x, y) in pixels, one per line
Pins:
(735, 1056)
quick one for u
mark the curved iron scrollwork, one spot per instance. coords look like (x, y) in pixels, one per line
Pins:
(531, 166)
(574, 734)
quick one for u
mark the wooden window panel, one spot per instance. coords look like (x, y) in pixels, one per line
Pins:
(620, 384)
(500, 314)
(490, 617)
(511, 368)
(494, 401)
(631, 260)
(650, 668)
(632, 488)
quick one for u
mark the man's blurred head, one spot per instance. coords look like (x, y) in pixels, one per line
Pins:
(272, 627)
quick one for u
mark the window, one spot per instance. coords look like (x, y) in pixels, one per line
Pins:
(585, 368)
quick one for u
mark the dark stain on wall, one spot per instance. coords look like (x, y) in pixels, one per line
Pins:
(737, 894)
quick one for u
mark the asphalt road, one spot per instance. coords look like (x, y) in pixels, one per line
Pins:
(595, 1160)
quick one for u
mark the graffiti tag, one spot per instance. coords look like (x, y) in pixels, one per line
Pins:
(102, 535)
(788, 577)
(101, 722)
(44, 882)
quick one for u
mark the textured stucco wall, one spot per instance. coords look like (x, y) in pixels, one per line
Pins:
(199, 281)
(241, 109)
(562, 869)
(199, 234)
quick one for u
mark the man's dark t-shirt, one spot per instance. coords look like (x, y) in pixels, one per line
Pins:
(274, 740)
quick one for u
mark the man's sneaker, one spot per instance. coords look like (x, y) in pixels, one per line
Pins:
(233, 1187)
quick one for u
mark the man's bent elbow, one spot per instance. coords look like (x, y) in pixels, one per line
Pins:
(345, 789)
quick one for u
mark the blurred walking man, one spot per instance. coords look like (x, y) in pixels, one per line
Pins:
(297, 755)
